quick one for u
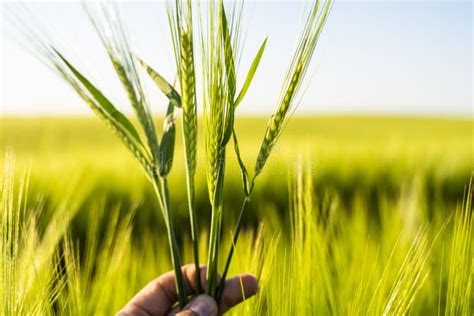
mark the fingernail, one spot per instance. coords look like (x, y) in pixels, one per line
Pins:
(203, 305)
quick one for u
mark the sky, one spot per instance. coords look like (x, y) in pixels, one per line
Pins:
(374, 57)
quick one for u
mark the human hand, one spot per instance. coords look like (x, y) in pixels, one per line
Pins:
(159, 296)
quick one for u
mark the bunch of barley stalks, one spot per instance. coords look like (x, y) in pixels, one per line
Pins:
(220, 42)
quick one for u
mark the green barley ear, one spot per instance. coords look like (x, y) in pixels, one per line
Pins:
(101, 106)
(213, 101)
(230, 76)
(188, 87)
(295, 75)
(92, 96)
(230, 40)
(107, 106)
(119, 124)
(220, 44)
(181, 26)
(108, 25)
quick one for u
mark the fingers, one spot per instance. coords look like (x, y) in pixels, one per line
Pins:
(202, 305)
(159, 296)
(236, 290)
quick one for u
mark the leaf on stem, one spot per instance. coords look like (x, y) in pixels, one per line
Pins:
(167, 141)
(251, 73)
(105, 104)
(161, 82)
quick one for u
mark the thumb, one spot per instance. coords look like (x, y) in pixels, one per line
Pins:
(202, 305)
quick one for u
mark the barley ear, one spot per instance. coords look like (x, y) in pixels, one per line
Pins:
(101, 106)
(106, 105)
(188, 90)
(231, 80)
(111, 30)
(295, 75)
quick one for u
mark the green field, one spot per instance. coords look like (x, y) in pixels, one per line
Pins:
(352, 214)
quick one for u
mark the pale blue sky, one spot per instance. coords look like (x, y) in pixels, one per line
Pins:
(382, 57)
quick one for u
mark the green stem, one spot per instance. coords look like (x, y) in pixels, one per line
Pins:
(194, 232)
(162, 191)
(214, 239)
(220, 289)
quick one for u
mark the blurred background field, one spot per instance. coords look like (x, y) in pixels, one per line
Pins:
(369, 157)
(353, 215)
